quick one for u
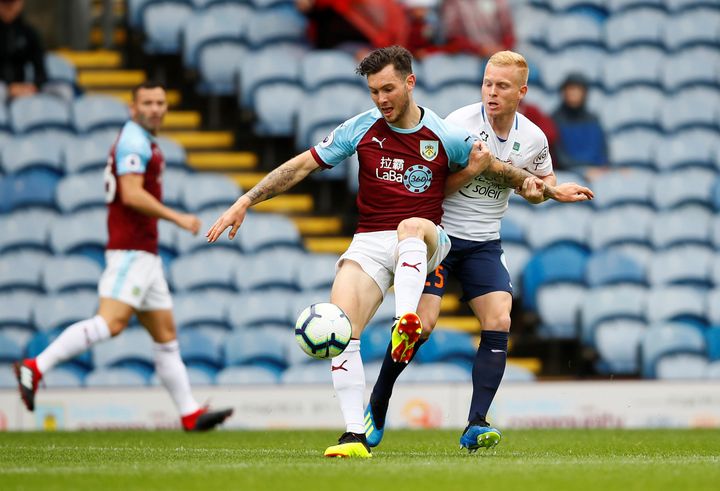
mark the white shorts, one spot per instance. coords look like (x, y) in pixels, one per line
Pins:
(135, 278)
(376, 253)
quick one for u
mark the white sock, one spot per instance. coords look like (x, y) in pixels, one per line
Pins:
(172, 373)
(410, 274)
(75, 339)
(348, 377)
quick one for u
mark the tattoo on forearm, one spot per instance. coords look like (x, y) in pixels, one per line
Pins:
(274, 183)
(505, 174)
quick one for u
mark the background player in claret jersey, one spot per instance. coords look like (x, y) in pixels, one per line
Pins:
(473, 210)
(405, 153)
(133, 280)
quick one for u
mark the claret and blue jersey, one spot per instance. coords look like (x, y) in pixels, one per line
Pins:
(402, 171)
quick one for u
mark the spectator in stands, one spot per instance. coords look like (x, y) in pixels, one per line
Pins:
(482, 27)
(21, 45)
(581, 144)
(329, 29)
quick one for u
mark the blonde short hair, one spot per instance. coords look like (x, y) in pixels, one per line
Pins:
(511, 58)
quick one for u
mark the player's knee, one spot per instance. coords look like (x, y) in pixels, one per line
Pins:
(410, 227)
(499, 322)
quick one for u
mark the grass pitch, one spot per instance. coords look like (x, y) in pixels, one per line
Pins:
(526, 460)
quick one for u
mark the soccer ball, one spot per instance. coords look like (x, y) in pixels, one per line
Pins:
(323, 330)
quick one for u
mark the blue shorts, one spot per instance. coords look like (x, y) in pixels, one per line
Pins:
(479, 266)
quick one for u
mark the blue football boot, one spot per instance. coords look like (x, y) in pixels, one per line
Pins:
(372, 433)
(477, 436)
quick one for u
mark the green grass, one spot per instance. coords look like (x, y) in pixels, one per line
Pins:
(526, 460)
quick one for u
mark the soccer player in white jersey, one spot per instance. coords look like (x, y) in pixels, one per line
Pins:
(133, 280)
(474, 207)
(405, 153)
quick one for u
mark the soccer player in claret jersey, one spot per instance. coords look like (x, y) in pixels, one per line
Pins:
(405, 154)
(473, 209)
(133, 280)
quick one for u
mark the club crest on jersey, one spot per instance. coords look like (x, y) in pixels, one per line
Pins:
(417, 178)
(429, 149)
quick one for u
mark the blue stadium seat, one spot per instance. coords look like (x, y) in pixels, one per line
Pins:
(275, 65)
(447, 99)
(205, 190)
(219, 63)
(712, 305)
(633, 107)
(10, 351)
(16, 308)
(608, 303)
(315, 372)
(264, 231)
(212, 268)
(316, 271)
(61, 77)
(64, 376)
(610, 267)
(162, 22)
(617, 342)
(690, 67)
(682, 265)
(712, 339)
(320, 68)
(441, 70)
(637, 26)
(585, 59)
(26, 229)
(563, 263)
(374, 342)
(297, 302)
(197, 349)
(133, 348)
(173, 152)
(89, 153)
(276, 26)
(39, 112)
(623, 188)
(681, 366)
(616, 6)
(248, 375)
(444, 345)
(7, 377)
(31, 190)
(70, 273)
(207, 27)
(440, 372)
(325, 108)
(276, 106)
(676, 303)
(96, 112)
(32, 153)
(201, 309)
(689, 151)
(174, 182)
(516, 257)
(185, 242)
(571, 29)
(697, 26)
(527, 16)
(558, 307)
(116, 377)
(267, 308)
(560, 225)
(274, 269)
(694, 107)
(81, 191)
(21, 270)
(690, 224)
(83, 232)
(262, 346)
(666, 339)
(634, 148)
(641, 65)
(56, 312)
(611, 227)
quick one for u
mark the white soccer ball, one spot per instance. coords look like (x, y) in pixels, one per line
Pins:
(323, 330)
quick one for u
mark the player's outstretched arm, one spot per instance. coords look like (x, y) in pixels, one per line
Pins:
(568, 192)
(279, 180)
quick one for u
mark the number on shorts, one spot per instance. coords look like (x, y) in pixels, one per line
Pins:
(439, 278)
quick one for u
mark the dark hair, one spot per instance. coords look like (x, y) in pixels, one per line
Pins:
(148, 84)
(399, 57)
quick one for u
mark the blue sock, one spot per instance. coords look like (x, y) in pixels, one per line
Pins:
(487, 372)
(389, 373)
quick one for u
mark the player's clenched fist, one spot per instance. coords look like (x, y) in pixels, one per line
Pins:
(480, 158)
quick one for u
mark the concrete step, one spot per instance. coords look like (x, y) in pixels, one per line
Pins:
(102, 78)
(222, 161)
(195, 140)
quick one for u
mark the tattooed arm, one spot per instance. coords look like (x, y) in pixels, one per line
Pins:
(279, 180)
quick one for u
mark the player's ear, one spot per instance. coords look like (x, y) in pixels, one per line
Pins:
(410, 80)
(523, 91)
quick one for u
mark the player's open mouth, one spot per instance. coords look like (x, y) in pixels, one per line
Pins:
(386, 110)
(494, 105)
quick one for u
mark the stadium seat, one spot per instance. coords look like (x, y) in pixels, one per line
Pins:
(264, 231)
(198, 349)
(21, 270)
(26, 229)
(320, 68)
(623, 187)
(70, 273)
(441, 70)
(81, 191)
(712, 338)
(207, 190)
(634, 148)
(617, 342)
(271, 26)
(669, 338)
(569, 30)
(279, 65)
(315, 372)
(562, 263)
(611, 227)
(276, 105)
(328, 107)
(39, 112)
(439, 372)
(681, 366)
(257, 346)
(443, 345)
(676, 302)
(316, 271)
(267, 308)
(272, 269)
(162, 23)
(211, 268)
(694, 107)
(585, 59)
(447, 99)
(516, 257)
(691, 67)
(83, 232)
(218, 64)
(682, 265)
(10, 351)
(206, 27)
(633, 107)
(374, 342)
(297, 302)
(697, 26)
(173, 153)
(186, 242)
(558, 307)
(89, 153)
(637, 26)
(32, 190)
(133, 348)
(116, 377)
(16, 309)
(56, 312)
(690, 224)
(96, 112)
(204, 309)
(64, 376)
(560, 225)
(28, 153)
(609, 267)
(641, 65)
(174, 182)
(527, 17)
(61, 77)
(248, 375)
(690, 151)
(609, 303)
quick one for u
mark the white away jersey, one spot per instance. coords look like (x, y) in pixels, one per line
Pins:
(474, 212)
